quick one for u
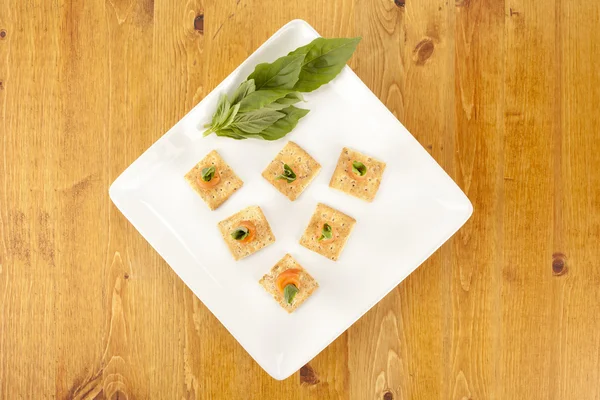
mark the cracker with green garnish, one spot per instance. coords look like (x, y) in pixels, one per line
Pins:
(291, 171)
(209, 168)
(327, 232)
(236, 233)
(291, 297)
(357, 174)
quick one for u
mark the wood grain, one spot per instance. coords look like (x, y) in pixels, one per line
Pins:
(503, 94)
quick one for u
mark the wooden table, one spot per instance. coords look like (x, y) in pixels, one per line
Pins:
(503, 93)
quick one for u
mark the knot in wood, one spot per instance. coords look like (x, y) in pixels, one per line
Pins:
(199, 23)
(559, 264)
(308, 375)
(423, 51)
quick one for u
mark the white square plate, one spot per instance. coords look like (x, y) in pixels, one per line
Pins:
(417, 209)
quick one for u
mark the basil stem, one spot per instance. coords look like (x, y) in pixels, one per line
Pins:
(289, 292)
(326, 232)
(208, 173)
(359, 168)
(288, 174)
(240, 233)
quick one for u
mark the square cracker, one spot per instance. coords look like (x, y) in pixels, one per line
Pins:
(264, 235)
(217, 195)
(344, 179)
(304, 166)
(307, 283)
(341, 225)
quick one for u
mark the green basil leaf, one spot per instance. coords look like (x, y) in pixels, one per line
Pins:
(233, 132)
(243, 90)
(240, 233)
(289, 292)
(276, 106)
(284, 125)
(326, 232)
(288, 100)
(257, 120)
(288, 174)
(324, 60)
(230, 133)
(208, 173)
(359, 168)
(231, 116)
(291, 98)
(261, 98)
(280, 74)
(222, 111)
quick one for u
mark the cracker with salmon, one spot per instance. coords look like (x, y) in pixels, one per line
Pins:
(328, 231)
(246, 232)
(216, 187)
(292, 170)
(357, 174)
(289, 272)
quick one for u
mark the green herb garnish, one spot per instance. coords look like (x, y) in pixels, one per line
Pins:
(240, 233)
(288, 174)
(324, 60)
(263, 105)
(208, 173)
(326, 232)
(359, 168)
(289, 292)
(245, 88)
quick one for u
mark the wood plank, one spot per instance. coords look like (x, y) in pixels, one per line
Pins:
(30, 118)
(478, 159)
(102, 363)
(576, 302)
(527, 289)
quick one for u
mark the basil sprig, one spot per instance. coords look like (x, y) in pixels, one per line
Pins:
(208, 173)
(240, 233)
(359, 168)
(263, 105)
(289, 292)
(288, 174)
(326, 232)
